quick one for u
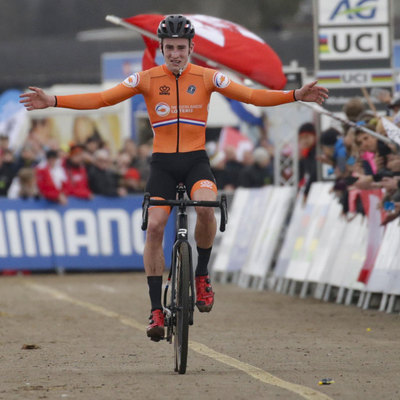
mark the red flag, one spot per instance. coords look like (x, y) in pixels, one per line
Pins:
(370, 200)
(226, 45)
(149, 55)
(231, 137)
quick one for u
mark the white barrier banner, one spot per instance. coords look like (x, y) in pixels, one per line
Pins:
(385, 271)
(269, 227)
(255, 206)
(329, 241)
(350, 255)
(394, 281)
(286, 251)
(314, 215)
(235, 221)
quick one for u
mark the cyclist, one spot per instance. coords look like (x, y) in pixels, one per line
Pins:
(177, 95)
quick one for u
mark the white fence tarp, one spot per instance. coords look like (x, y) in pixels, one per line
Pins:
(271, 220)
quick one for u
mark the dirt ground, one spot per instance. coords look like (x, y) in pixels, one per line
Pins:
(81, 336)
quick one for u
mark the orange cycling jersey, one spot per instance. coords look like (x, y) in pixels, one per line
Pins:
(177, 105)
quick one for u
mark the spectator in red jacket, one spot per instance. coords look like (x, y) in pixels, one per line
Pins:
(75, 170)
(52, 180)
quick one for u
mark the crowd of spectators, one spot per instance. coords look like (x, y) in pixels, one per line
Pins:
(361, 161)
(44, 170)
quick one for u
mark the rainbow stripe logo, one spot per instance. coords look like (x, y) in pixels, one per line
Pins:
(323, 44)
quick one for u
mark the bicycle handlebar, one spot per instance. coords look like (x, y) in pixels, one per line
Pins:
(221, 204)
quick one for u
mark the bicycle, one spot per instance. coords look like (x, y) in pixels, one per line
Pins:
(179, 302)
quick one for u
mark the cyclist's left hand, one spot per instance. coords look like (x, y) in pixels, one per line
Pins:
(312, 92)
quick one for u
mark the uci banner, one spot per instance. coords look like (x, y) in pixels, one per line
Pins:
(353, 49)
(103, 233)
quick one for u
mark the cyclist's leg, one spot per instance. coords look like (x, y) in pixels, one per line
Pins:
(206, 225)
(202, 187)
(153, 256)
(159, 185)
(154, 266)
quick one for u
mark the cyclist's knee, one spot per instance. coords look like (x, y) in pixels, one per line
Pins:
(156, 225)
(205, 214)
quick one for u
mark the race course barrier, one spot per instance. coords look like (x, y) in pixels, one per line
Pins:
(103, 233)
(322, 254)
(256, 221)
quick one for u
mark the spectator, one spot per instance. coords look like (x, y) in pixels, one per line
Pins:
(258, 174)
(333, 150)
(76, 173)
(4, 143)
(232, 166)
(394, 105)
(52, 180)
(307, 156)
(353, 108)
(217, 163)
(123, 162)
(7, 171)
(103, 180)
(131, 181)
(24, 185)
(248, 158)
(131, 148)
(92, 144)
(142, 163)
(27, 158)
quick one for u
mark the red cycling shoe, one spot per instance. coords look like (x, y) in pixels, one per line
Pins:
(204, 294)
(155, 329)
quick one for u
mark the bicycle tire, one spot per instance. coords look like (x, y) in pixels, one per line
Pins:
(181, 336)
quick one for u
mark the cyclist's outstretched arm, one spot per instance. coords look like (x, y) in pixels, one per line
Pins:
(312, 92)
(38, 99)
(263, 97)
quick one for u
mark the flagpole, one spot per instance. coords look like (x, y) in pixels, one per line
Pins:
(321, 110)
(119, 21)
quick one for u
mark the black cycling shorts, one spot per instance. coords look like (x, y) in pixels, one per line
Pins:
(167, 170)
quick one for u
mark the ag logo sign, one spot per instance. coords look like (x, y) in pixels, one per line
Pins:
(355, 12)
(353, 43)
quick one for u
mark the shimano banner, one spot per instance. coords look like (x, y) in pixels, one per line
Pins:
(102, 233)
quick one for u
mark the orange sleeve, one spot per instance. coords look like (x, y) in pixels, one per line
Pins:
(264, 98)
(257, 97)
(89, 101)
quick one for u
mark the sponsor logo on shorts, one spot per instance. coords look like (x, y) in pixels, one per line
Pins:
(164, 90)
(132, 81)
(221, 80)
(207, 184)
(162, 109)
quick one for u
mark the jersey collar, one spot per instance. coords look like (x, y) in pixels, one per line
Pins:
(185, 71)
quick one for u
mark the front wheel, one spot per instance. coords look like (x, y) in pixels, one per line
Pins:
(181, 337)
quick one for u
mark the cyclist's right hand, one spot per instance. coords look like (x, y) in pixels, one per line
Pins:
(37, 99)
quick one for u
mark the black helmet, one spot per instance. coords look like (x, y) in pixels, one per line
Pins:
(175, 26)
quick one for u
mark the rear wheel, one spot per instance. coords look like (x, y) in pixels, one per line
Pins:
(181, 337)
